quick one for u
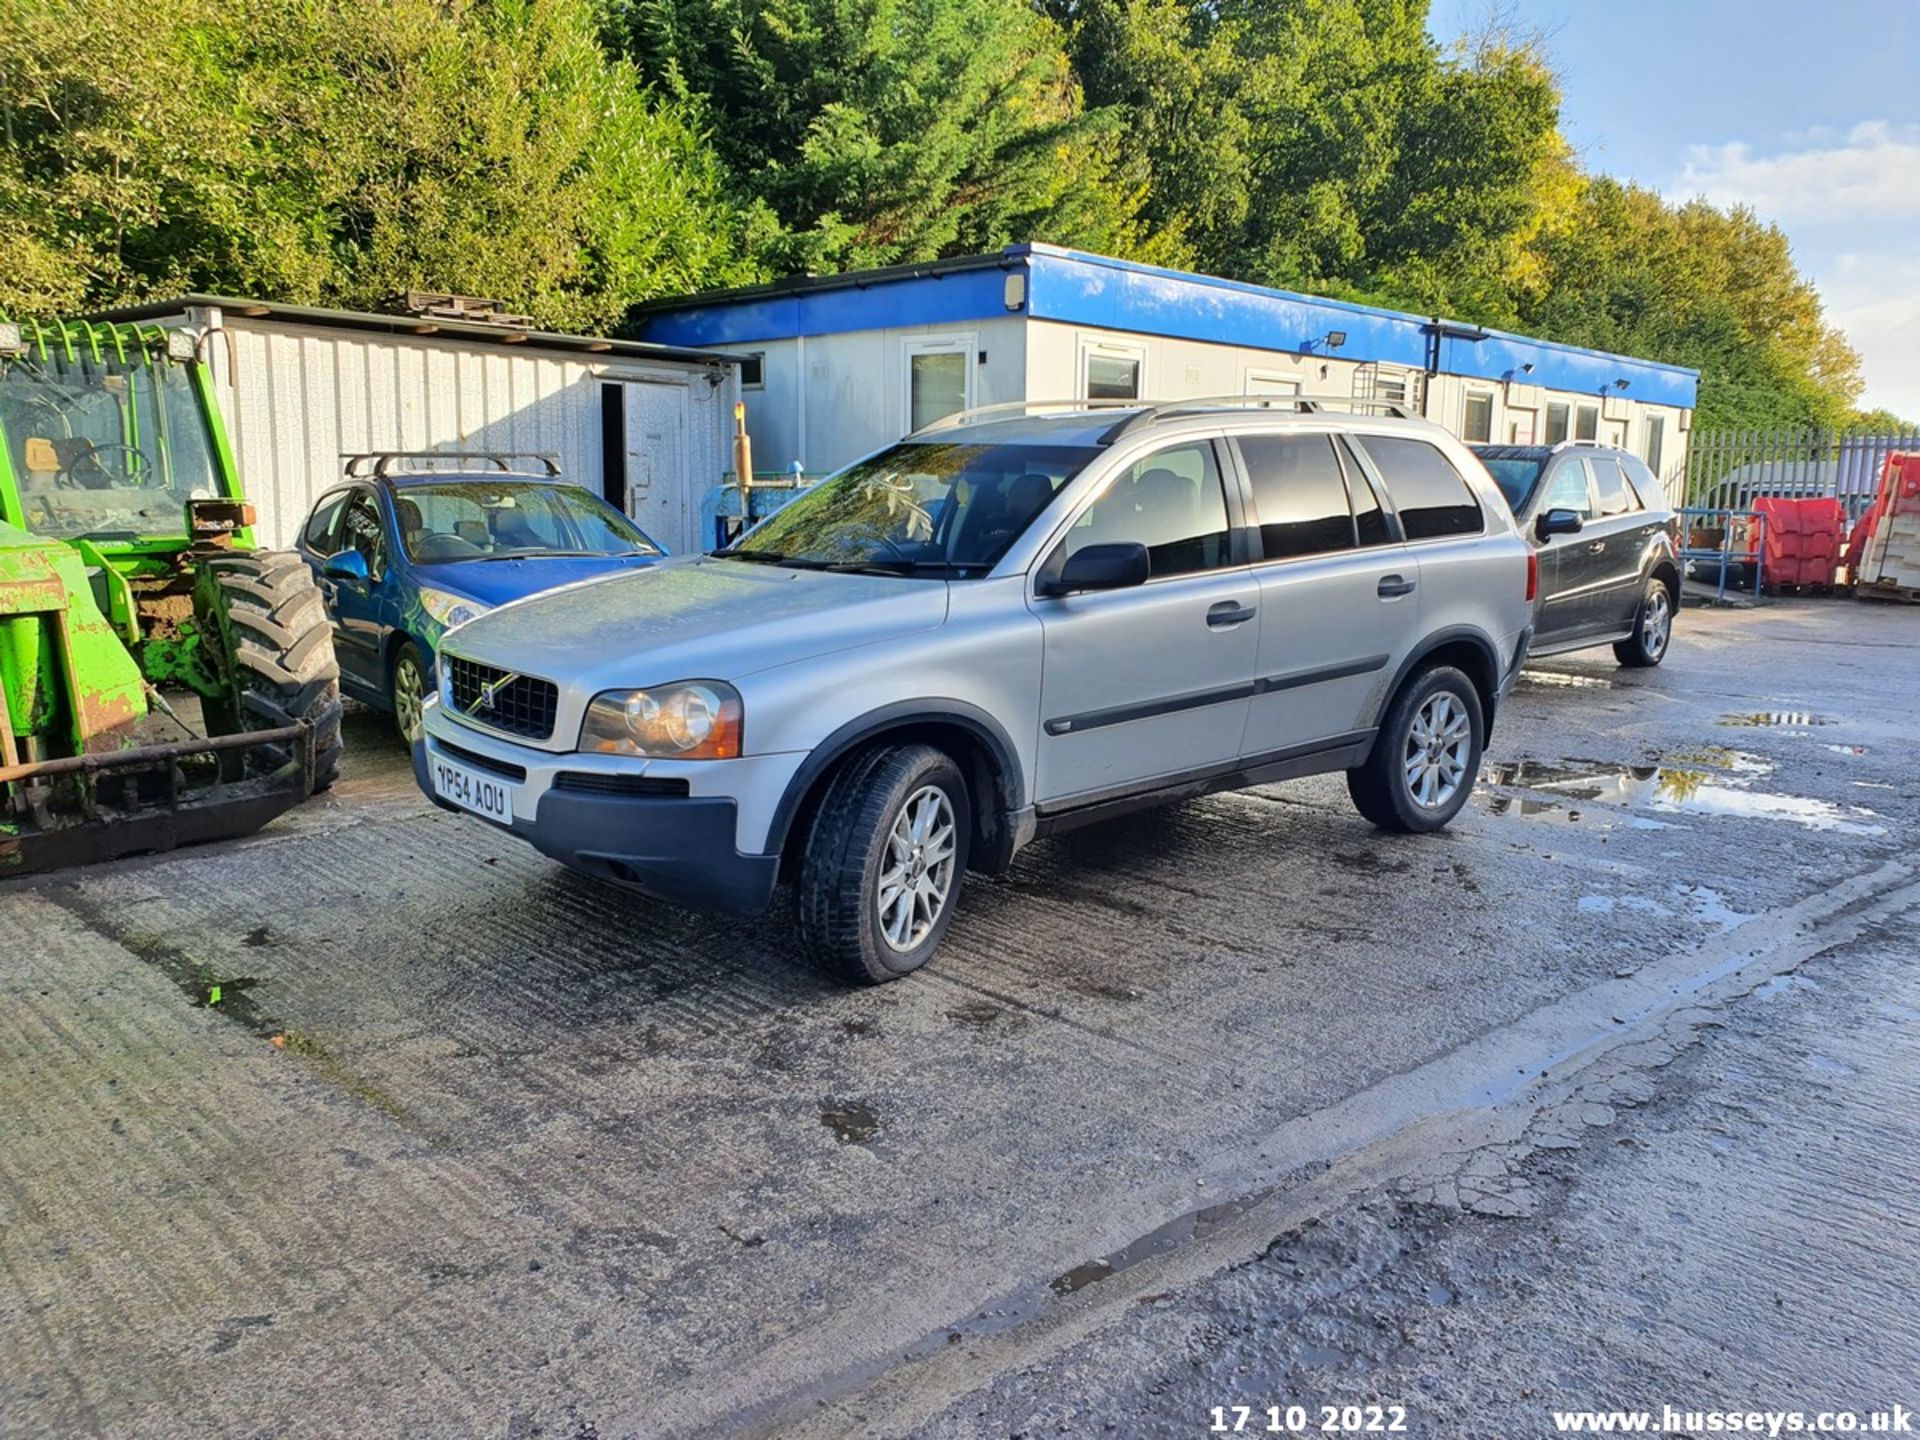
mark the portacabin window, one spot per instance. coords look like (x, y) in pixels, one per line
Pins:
(939, 376)
(1656, 441)
(1558, 417)
(1477, 427)
(1586, 423)
(753, 370)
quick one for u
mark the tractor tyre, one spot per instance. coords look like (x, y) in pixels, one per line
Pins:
(280, 642)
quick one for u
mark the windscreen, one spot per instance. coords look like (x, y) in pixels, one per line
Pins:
(109, 449)
(485, 519)
(949, 509)
(1515, 477)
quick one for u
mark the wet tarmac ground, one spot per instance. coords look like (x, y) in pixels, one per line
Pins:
(378, 1123)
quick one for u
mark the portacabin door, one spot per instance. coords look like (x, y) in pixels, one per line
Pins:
(1151, 682)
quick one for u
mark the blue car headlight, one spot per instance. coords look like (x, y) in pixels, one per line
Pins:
(450, 610)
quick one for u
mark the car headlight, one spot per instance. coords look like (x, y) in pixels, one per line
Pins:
(450, 610)
(690, 720)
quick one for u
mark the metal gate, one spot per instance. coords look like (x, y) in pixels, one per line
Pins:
(1730, 469)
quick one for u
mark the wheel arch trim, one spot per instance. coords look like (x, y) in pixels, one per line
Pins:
(901, 715)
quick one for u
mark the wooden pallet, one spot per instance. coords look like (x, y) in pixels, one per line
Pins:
(1886, 590)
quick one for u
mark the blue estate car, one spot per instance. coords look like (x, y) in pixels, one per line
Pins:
(404, 552)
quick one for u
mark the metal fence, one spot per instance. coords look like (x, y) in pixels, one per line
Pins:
(1730, 469)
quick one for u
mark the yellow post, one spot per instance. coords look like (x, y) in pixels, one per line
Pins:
(742, 460)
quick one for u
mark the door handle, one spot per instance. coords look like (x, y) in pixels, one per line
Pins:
(1393, 586)
(1227, 614)
(1597, 547)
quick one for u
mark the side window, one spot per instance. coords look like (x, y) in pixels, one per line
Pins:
(1172, 503)
(1369, 520)
(325, 523)
(1640, 481)
(1432, 499)
(1298, 493)
(1611, 486)
(1567, 489)
(362, 532)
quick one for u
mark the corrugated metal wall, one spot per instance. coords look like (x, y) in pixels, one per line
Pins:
(307, 395)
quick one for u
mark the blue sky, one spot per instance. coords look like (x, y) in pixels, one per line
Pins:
(1808, 113)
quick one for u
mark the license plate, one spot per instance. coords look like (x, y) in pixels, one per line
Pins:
(471, 790)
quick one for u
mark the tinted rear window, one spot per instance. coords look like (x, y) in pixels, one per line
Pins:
(1298, 493)
(1432, 499)
(1611, 484)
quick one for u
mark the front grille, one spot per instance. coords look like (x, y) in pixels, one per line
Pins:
(500, 699)
(589, 783)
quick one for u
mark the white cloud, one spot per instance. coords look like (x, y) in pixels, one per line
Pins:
(1873, 173)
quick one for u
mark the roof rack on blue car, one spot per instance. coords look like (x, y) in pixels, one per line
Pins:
(382, 463)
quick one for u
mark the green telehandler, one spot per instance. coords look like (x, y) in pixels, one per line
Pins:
(127, 572)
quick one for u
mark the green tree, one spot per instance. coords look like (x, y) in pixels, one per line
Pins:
(1693, 285)
(883, 131)
(338, 152)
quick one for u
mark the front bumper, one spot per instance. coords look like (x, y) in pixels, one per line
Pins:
(678, 848)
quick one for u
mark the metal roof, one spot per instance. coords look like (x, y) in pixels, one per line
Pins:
(415, 326)
(1097, 291)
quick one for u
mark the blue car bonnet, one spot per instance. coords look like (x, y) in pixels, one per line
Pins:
(495, 582)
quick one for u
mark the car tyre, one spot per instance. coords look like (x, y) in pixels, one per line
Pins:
(881, 868)
(1652, 629)
(407, 691)
(1426, 757)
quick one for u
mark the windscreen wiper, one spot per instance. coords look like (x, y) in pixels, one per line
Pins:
(901, 567)
(755, 557)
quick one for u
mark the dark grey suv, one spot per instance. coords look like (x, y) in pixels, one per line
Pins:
(1609, 569)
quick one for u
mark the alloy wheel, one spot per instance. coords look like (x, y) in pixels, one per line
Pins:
(1439, 744)
(1657, 627)
(409, 693)
(917, 871)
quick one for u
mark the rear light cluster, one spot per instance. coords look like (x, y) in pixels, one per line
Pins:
(1533, 575)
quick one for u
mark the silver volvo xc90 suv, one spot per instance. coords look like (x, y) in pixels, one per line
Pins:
(1002, 627)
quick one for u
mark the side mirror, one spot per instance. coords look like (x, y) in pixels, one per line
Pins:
(1558, 522)
(349, 567)
(1097, 567)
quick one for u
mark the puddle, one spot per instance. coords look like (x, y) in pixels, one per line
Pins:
(1710, 905)
(1565, 679)
(1715, 788)
(1769, 719)
(852, 1124)
(1194, 1225)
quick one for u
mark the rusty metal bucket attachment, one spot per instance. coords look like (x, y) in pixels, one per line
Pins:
(80, 809)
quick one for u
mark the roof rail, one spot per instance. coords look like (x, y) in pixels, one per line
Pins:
(1292, 404)
(1145, 410)
(382, 463)
(1012, 409)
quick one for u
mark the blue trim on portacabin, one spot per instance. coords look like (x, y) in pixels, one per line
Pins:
(1076, 288)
